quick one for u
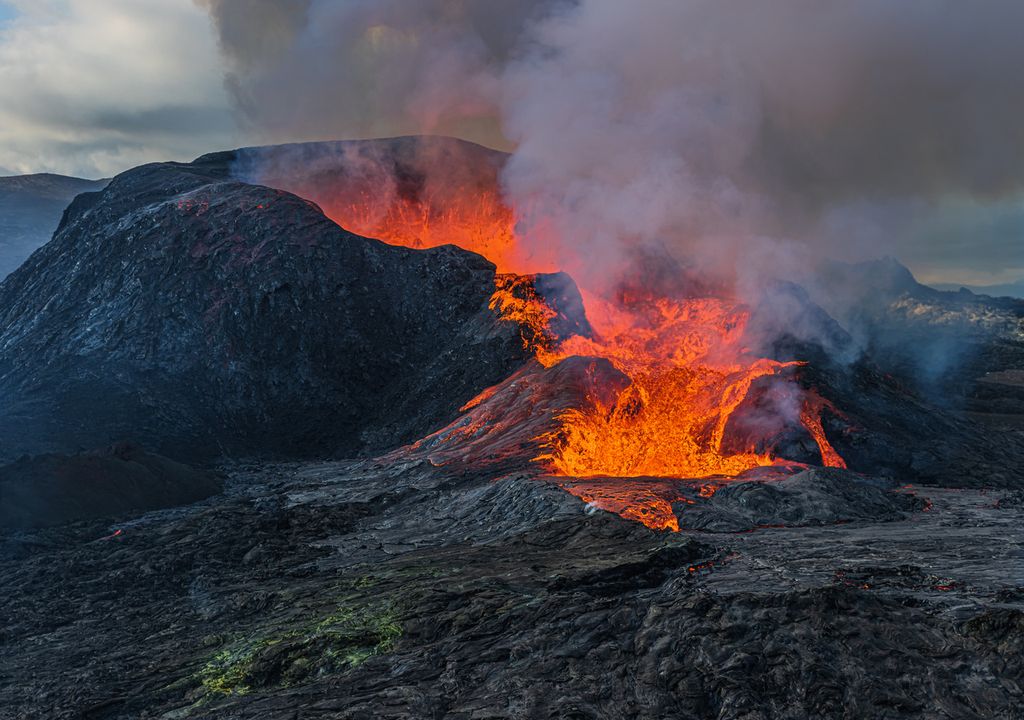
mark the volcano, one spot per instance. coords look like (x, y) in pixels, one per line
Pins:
(204, 316)
(460, 485)
(694, 383)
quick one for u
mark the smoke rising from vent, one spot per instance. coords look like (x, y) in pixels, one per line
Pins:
(691, 127)
(309, 69)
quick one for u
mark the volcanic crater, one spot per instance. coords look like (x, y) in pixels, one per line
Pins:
(456, 484)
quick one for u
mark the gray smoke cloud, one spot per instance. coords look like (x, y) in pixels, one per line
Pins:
(713, 130)
(725, 125)
(312, 69)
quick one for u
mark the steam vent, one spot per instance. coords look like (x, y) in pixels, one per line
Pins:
(661, 409)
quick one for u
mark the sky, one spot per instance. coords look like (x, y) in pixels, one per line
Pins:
(93, 87)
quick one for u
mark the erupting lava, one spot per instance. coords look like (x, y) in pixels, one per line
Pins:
(476, 220)
(810, 416)
(689, 373)
(686, 362)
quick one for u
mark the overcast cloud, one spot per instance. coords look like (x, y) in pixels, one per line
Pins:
(93, 87)
(884, 127)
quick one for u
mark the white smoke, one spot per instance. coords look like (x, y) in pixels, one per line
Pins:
(732, 135)
(725, 129)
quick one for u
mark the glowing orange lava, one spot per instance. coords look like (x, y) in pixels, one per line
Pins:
(476, 221)
(689, 372)
(647, 504)
(686, 361)
(810, 416)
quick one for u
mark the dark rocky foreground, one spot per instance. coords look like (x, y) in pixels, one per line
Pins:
(391, 590)
(48, 490)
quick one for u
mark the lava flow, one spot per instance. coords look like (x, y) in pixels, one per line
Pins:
(688, 368)
(689, 373)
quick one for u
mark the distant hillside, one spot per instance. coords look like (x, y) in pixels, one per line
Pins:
(1014, 289)
(30, 209)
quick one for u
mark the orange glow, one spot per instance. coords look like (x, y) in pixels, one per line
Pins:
(685, 359)
(707, 490)
(689, 373)
(645, 500)
(516, 300)
(630, 500)
(476, 221)
(810, 416)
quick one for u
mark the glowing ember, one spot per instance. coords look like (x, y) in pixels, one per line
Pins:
(707, 490)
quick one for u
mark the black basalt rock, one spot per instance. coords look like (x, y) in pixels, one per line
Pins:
(203, 317)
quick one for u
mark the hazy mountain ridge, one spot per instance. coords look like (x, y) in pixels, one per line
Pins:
(30, 209)
(1011, 289)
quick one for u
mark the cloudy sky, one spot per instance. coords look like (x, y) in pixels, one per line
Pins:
(890, 128)
(92, 87)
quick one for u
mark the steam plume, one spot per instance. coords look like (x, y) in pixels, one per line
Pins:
(700, 126)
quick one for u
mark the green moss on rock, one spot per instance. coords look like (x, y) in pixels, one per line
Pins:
(340, 641)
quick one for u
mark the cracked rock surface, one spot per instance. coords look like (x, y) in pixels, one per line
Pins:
(381, 589)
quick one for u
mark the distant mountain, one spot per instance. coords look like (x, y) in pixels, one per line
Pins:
(1013, 289)
(936, 341)
(30, 210)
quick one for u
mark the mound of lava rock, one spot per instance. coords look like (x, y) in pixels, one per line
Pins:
(200, 316)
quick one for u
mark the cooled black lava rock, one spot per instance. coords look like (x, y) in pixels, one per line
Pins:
(817, 496)
(54, 489)
(883, 427)
(201, 316)
(882, 420)
(404, 590)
